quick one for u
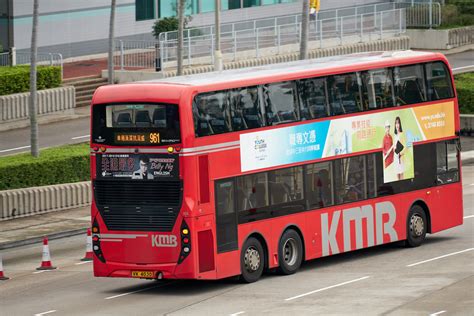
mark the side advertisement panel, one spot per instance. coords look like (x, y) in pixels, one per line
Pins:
(393, 132)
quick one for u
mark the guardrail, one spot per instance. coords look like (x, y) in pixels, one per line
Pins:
(15, 106)
(253, 43)
(4, 59)
(422, 14)
(279, 20)
(461, 36)
(38, 200)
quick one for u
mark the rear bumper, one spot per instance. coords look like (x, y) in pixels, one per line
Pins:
(124, 270)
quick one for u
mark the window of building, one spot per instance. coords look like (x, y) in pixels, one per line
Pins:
(344, 94)
(280, 106)
(226, 219)
(230, 4)
(211, 113)
(167, 8)
(251, 3)
(245, 109)
(207, 6)
(319, 185)
(409, 84)
(144, 10)
(439, 81)
(378, 89)
(313, 98)
(191, 7)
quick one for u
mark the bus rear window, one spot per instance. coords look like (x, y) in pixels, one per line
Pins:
(136, 124)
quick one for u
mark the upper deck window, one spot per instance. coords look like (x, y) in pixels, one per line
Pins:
(271, 104)
(280, 105)
(344, 93)
(439, 81)
(211, 113)
(136, 124)
(313, 98)
(409, 84)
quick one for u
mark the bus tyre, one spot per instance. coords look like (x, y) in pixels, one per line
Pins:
(290, 252)
(416, 226)
(252, 260)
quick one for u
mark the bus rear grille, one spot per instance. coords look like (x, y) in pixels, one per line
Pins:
(138, 205)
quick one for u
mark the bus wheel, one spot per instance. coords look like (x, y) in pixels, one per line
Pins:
(252, 260)
(416, 226)
(290, 252)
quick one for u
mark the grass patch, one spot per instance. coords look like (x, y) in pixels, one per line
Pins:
(465, 89)
(56, 165)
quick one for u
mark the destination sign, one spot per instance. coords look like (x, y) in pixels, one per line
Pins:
(137, 138)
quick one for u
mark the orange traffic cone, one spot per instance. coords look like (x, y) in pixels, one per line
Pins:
(46, 261)
(88, 256)
(2, 277)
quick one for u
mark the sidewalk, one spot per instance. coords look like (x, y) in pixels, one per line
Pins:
(32, 229)
(29, 230)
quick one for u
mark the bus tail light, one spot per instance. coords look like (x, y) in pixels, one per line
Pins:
(96, 242)
(185, 242)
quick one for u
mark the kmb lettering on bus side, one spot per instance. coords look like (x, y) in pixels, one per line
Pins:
(164, 241)
(357, 215)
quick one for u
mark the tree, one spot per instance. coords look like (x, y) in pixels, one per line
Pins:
(180, 36)
(33, 94)
(111, 41)
(304, 31)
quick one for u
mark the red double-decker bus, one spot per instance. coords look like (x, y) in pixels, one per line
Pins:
(232, 173)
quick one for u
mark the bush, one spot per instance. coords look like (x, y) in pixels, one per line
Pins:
(165, 25)
(17, 79)
(63, 164)
(465, 89)
(457, 14)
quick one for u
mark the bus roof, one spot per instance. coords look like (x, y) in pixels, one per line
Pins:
(320, 65)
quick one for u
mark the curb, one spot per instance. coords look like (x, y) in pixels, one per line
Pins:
(36, 240)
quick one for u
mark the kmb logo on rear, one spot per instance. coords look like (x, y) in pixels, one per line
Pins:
(164, 241)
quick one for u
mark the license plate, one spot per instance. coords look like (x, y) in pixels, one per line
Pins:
(143, 274)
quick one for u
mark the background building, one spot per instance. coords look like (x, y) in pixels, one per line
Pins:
(80, 27)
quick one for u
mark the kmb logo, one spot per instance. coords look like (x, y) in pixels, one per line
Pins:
(164, 241)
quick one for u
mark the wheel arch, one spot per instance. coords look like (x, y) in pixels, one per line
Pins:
(421, 203)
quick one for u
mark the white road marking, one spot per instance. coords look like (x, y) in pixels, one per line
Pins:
(83, 262)
(41, 271)
(438, 313)
(326, 288)
(13, 149)
(238, 313)
(48, 312)
(141, 290)
(469, 216)
(440, 257)
(79, 137)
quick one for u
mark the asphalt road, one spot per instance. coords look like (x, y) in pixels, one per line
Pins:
(437, 277)
(74, 131)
